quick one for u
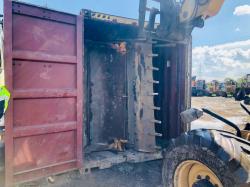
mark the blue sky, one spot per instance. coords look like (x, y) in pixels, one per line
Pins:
(224, 29)
(218, 30)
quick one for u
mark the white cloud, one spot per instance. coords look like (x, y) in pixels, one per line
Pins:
(242, 10)
(237, 29)
(221, 61)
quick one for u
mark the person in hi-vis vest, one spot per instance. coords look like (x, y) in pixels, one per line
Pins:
(4, 101)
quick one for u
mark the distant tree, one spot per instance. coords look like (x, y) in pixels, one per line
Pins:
(241, 81)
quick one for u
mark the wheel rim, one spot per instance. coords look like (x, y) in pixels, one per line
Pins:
(191, 172)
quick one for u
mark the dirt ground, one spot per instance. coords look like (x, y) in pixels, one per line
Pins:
(226, 107)
(148, 174)
(123, 175)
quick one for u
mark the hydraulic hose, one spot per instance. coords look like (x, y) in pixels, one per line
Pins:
(238, 132)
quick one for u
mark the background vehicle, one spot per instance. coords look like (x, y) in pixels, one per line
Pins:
(84, 86)
(230, 86)
(199, 88)
(244, 89)
(217, 88)
(223, 89)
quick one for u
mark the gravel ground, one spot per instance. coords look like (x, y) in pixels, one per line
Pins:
(148, 174)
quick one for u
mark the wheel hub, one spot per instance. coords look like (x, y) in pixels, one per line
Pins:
(192, 173)
(203, 183)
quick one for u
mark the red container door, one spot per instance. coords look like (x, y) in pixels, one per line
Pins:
(43, 71)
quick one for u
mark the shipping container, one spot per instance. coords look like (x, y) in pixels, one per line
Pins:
(82, 83)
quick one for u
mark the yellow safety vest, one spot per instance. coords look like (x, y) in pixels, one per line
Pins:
(4, 95)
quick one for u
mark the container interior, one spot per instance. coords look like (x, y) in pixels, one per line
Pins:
(110, 85)
(106, 82)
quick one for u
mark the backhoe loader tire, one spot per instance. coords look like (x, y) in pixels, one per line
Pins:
(206, 147)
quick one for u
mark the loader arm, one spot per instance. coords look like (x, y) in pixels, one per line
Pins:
(192, 9)
(177, 19)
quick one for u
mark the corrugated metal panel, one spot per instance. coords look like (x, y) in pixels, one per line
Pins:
(43, 71)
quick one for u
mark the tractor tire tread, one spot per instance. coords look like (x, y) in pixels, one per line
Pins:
(221, 154)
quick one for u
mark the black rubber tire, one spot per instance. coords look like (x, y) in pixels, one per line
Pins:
(201, 145)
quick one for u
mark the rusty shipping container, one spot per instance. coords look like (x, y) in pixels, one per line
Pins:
(79, 83)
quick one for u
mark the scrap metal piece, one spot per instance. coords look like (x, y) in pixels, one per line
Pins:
(118, 144)
(190, 115)
(51, 179)
(120, 47)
